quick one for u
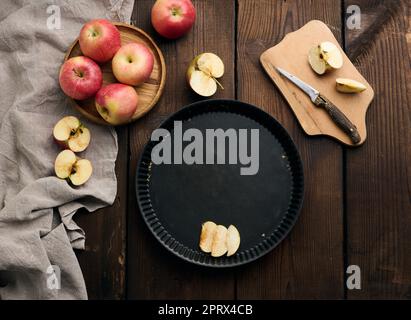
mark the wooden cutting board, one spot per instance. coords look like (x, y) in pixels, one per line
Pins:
(291, 54)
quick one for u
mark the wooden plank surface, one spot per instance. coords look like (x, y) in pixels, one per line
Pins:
(153, 272)
(370, 184)
(379, 172)
(309, 263)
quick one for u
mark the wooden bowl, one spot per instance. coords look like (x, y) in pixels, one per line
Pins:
(148, 93)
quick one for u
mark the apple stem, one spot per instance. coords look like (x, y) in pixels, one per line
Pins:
(78, 73)
(218, 82)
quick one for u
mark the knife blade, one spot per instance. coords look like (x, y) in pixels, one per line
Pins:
(320, 100)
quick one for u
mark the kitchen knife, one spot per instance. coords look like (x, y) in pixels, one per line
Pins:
(321, 101)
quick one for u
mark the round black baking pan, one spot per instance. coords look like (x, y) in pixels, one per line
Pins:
(175, 199)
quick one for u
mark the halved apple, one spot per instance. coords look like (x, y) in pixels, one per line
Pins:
(326, 56)
(219, 245)
(203, 72)
(73, 169)
(70, 133)
(211, 64)
(208, 231)
(232, 240)
(349, 85)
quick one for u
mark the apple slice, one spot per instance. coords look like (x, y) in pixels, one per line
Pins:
(80, 141)
(74, 169)
(211, 64)
(63, 166)
(317, 63)
(324, 57)
(203, 72)
(232, 240)
(331, 54)
(70, 133)
(349, 85)
(219, 245)
(208, 231)
(81, 173)
(203, 84)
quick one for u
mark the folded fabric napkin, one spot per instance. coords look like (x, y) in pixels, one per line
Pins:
(36, 208)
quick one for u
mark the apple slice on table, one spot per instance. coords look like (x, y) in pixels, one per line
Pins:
(203, 72)
(233, 240)
(76, 170)
(70, 133)
(219, 245)
(324, 57)
(349, 86)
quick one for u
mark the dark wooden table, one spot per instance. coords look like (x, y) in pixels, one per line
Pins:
(357, 207)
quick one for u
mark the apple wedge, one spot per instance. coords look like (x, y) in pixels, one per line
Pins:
(324, 57)
(70, 133)
(203, 72)
(219, 245)
(349, 86)
(75, 170)
(208, 231)
(232, 240)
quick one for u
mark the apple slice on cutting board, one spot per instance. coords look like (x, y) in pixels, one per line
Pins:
(291, 55)
(349, 86)
(324, 57)
(203, 72)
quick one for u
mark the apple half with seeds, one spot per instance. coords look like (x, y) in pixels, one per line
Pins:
(324, 57)
(72, 168)
(349, 86)
(203, 72)
(71, 134)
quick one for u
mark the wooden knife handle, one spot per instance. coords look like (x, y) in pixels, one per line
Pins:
(339, 118)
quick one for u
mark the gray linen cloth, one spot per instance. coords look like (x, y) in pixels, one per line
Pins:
(36, 208)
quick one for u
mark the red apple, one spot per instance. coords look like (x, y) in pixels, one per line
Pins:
(116, 103)
(173, 18)
(99, 39)
(80, 78)
(133, 64)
